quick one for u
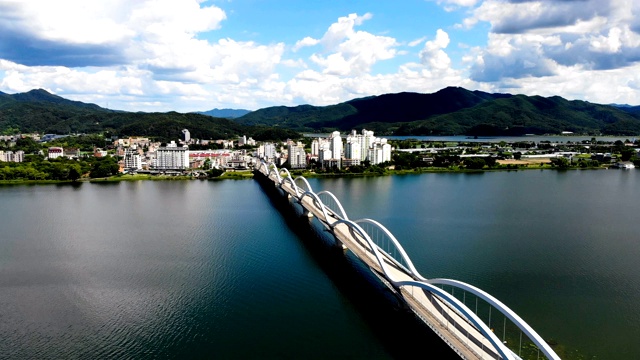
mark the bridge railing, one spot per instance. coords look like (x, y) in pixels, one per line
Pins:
(480, 309)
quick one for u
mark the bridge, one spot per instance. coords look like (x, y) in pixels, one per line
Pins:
(469, 320)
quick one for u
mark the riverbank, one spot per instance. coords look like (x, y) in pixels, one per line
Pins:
(235, 175)
(512, 165)
(454, 169)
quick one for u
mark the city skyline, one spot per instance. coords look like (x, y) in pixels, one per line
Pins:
(165, 55)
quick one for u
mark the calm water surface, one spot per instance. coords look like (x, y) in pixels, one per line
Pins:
(560, 248)
(221, 270)
(180, 270)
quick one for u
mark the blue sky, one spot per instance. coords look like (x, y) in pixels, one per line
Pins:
(190, 55)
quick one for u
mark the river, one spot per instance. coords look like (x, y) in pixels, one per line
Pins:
(218, 269)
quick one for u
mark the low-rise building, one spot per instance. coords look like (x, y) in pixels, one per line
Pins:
(55, 152)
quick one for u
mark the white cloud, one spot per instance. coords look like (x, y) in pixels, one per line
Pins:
(351, 52)
(307, 41)
(433, 54)
(160, 55)
(607, 44)
(457, 3)
(417, 42)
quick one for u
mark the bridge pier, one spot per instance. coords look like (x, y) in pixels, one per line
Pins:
(339, 244)
(306, 213)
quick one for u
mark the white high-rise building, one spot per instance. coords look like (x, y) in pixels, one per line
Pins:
(172, 157)
(353, 148)
(367, 140)
(186, 135)
(366, 146)
(296, 155)
(379, 152)
(336, 145)
(268, 151)
(132, 159)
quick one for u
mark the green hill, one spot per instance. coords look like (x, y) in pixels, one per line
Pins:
(519, 115)
(300, 118)
(225, 113)
(452, 111)
(42, 112)
(372, 112)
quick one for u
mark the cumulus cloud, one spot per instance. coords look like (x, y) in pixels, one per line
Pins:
(159, 55)
(451, 5)
(75, 33)
(129, 54)
(514, 17)
(433, 54)
(533, 38)
(349, 51)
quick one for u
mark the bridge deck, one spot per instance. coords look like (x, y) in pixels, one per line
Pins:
(445, 321)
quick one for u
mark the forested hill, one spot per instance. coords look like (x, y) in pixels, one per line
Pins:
(42, 112)
(452, 111)
(225, 113)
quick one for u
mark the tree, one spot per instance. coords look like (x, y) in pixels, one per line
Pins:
(561, 162)
(74, 172)
(474, 163)
(490, 161)
(215, 172)
(28, 145)
(104, 167)
(627, 154)
(517, 155)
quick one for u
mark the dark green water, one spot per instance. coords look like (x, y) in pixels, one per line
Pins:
(221, 270)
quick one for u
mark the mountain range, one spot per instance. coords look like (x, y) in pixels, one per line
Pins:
(226, 113)
(42, 112)
(454, 111)
(449, 111)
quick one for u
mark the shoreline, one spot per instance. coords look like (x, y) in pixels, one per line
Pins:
(249, 175)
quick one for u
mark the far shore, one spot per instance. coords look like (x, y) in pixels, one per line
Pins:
(522, 164)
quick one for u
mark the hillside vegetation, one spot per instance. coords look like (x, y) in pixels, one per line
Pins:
(40, 111)
(450, 111)
(455, 111)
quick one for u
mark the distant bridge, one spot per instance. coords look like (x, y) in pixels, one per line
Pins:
(445, 305)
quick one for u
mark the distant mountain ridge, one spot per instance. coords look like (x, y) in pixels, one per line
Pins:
(43, 96)
(43, 112)
(454, 111)
(449, 111)
(628, 108)
(225, 113)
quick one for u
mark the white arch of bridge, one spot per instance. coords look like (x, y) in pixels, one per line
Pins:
(505, 352)
(262, 167)
(306, 183)
(505, 310)
(342, 214)
(317, 202)
(274, 170)
(422, 282)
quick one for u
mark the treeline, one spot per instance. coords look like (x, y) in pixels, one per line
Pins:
(36, 168)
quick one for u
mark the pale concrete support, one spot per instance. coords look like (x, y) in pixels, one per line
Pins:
(307, 213)
(339, 244)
